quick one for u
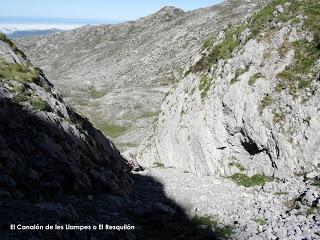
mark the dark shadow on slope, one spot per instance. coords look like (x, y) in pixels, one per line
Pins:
(48, 176)
(43, 155)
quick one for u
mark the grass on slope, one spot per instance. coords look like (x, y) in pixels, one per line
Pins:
(113, 131)
(18, 72)
(38, 104)
(224, 50)
(265, 102)
(299, 74)
(246, 181)
(254, 78)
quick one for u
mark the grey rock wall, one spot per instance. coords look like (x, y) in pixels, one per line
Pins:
(241, 121)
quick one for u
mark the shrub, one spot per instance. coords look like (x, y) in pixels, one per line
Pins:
(266, 101)
(38, 104)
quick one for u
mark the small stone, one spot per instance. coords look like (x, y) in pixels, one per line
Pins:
(279, 9)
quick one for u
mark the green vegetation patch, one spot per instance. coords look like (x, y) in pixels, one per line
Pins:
(316, 182)
(246, 181)
(254, 78)
(237, 74)
(222, 50)
(231, 41)
(113, 131)
(261, 19)
(204, 86)
(20, 94)
(18, 72)
(225, 231)
(265, 102)
(313, 210)
(278, 117)
(311, 9)
(38, 104)
(257, 23)
(261, 221)
(299, 74)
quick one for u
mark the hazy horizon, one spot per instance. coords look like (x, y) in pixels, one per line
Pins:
(100, 10)
(9, 24)
(18, 15)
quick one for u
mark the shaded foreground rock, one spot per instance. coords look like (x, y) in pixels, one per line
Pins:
(45, 147)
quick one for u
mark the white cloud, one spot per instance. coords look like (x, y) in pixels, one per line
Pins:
(12, 27)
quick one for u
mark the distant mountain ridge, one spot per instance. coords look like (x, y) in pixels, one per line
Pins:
(28, 33)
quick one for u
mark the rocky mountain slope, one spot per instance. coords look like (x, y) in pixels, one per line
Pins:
(236, 142)
(57, 169)
(249, 102)
(117, 75)
(46, 147)
(233, 153)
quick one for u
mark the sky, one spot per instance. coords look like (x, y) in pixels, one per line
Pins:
(88, 11)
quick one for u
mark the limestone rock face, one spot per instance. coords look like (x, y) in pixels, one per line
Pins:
(46, 148)
(248, 103)
(117, 75)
